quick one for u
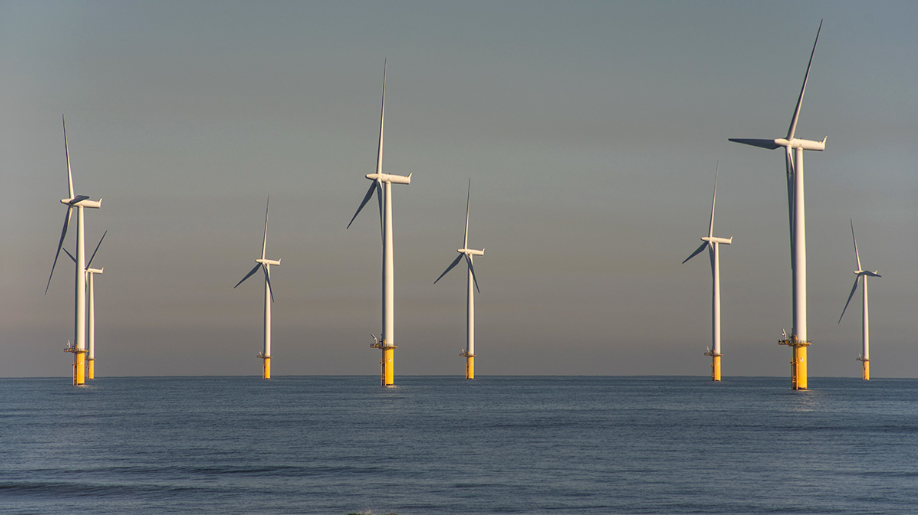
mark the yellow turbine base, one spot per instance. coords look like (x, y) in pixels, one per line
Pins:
(79, 368)
(469, 367)
(387, 364)
(715, 368)
(90, 369)
(266, 368)
(866, 369)
(799, 369)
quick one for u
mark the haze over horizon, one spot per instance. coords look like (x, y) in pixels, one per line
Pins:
(590, 132)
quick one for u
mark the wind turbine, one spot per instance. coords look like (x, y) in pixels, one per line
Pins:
(90, 272)
(469, 351)
(79, 202)
(713, 244)
(382, 184)
(797, 222)
(265, 264)
(861, 273)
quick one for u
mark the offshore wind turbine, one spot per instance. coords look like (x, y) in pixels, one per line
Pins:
(265, 264)
(865, 325)
(798, 339)
(713, 244)
(469, 351)
(382, 184)
(90, 273)
(78, 202)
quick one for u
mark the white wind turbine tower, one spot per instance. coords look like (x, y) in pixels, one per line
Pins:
(265, 264)
(712, 243)
(79, 202)
(861, 273)
(382, 184)
(90, 273)
(469, 351)
(797, 218)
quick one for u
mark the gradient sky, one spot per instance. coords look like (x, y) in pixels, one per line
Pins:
(590, 132)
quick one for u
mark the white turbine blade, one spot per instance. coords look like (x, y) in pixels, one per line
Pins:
(363, 203)
(793, 125)
(791, 171)
(254, 269)
(264, 243)
(872, 274)
(856, 255)
(465, 240)
(455, 262)
(713, 200)
(268, 281)
(88, 265)
(71, 256)
(755, 142)
(849, 298)
(59, 245)
(711, 256)
(472, 269)
(382, 119)
(67, 155)
(700, 248)
(382, 229)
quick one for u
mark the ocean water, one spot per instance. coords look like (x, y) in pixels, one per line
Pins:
(439, 445)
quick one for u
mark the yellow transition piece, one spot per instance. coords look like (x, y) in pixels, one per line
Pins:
(90, 369)
(266, 368)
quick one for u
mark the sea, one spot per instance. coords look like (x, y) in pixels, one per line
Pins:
(446, 445)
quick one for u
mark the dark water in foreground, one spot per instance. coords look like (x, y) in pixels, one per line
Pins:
(445, 445)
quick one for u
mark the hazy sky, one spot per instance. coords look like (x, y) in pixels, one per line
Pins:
(590, 132)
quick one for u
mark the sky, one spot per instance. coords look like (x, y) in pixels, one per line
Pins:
(590, 133)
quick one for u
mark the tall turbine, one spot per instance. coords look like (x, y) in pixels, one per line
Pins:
(90, 273)
(469, 352)
(265, 264)
(78, 348)
(713, 244)
(382, 184)
(797, 218)
(861, 273)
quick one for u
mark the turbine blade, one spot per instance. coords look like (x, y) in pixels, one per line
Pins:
(755, 142)
(67, 155)
(849, 298)
(711, 256)
(465, 240)
(455, 262)
(382, 119)
(70, 255)
(59, 245)
(254, 269)
(88, 265)
(362, 203)
(264, 243)
(700, 248)
(872, 274)
(713, 200)
(793, 124)
(472, 269)
(856, 255)
(382, 227)
(268, 281)
(789, 167)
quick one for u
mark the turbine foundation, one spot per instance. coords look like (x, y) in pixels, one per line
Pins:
(386, 364)
(90, 369)
(266, 366)
(469, 365)
(715, 365)
(79, 365)
(798, 362)
(866, 371)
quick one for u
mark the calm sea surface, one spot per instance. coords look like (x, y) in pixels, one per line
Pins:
(445, 445)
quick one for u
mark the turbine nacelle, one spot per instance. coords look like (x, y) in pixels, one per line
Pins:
(793, 143)
(471, 252)
(94, 271)
(390, 178)
(718, 240)
(265, 261)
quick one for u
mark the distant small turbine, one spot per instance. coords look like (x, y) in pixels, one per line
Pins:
(79, 202)
(861, 273)
(265, 265)
(469, 351)
(90, 272)
(797, 220)
(712, 243)
(387, 344)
